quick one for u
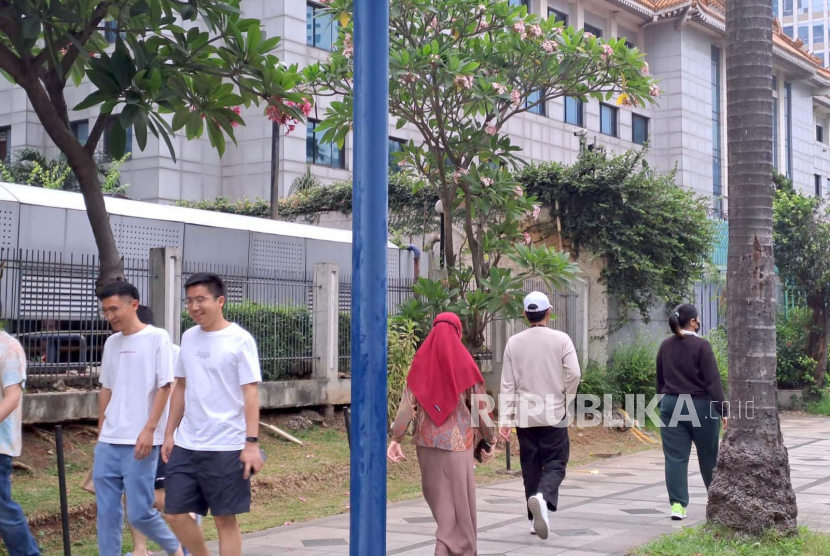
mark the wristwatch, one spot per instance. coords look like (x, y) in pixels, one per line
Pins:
(252, 439)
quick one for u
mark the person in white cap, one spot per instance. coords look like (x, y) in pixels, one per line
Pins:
(540, 366)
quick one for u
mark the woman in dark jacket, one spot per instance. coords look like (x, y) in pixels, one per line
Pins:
(691, 408)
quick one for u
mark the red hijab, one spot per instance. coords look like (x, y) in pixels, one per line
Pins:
(442, 369)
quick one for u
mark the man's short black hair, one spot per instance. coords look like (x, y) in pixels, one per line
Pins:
(211, 281)
(536, 316)
(121, 289)
(145, 315)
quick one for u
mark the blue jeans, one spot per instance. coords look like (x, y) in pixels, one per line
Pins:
(13, 525)
(114, 472)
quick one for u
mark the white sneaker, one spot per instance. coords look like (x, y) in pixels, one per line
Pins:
(539, 508)
(532, 528)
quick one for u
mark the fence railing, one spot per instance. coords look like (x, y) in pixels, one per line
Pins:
(49, 304)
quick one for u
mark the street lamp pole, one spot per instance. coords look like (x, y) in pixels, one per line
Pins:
(439, 208)
(369, 287)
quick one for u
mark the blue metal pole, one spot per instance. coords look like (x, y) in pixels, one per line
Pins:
(369, 286)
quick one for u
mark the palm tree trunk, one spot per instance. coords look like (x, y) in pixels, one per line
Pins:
(751, 490)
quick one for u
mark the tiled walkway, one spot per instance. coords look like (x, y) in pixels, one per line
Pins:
(604, 514)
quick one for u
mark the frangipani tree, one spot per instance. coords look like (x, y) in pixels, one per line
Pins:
(459, 71)
(201, 75)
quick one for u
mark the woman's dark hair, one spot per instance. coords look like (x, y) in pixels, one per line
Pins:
(681, 317)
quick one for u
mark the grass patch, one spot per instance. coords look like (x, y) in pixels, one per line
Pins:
(715, 541)
(298, 483)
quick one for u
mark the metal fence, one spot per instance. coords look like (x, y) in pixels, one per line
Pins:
(275, 307)
(49, 305)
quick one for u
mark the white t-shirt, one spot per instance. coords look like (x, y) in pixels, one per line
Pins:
(215, 366)
(134, 367)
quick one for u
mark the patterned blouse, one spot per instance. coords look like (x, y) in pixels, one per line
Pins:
(455, 435)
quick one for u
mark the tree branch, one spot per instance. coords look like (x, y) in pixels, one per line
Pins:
(11, 64)
(96, 132)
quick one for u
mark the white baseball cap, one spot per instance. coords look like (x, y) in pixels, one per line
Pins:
(536, 301)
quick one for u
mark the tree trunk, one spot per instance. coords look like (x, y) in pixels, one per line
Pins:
(817, 344)
(751, 490)
(52, 115)
(275, 170)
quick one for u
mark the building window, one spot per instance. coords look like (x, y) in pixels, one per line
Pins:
(818, 185)
(395, 146)
(788, 30)
(775, 6)
(110, 33)
(5, 143)
(639, 129)
(788, 128)
(532, 98)
(525, 3)
(323, 154)
(630, 45)
(788, 8)
(717, 180)
(574, 109)
(558, 16)
(821, 58)
(818, 33)
(128, 145)
(80, 129)
(775, 126)
(828, 184)
(596, 31)
(818, 7)
(804, 33)
(803, 6)
(820, 133)
(608, 119)
(320, 29)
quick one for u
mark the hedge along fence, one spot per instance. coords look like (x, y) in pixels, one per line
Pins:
(284, 337)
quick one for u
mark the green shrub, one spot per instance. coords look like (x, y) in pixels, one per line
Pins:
(822, 405)
(283, 335)
(633, 368)
(595, 381)
(795, 368)
(403, 341)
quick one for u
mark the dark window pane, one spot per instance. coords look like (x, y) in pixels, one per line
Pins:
(573, 111)
(788, 30)
(109, 31)
(819, 133)
(80, 130)
(317, 152)
(395, 146)
(818, 185)
(5, 143)
(539, 108)
(596, 31)
(608, 120)
(818, 33)
(320, 29)
(558, 16)
(639, 129)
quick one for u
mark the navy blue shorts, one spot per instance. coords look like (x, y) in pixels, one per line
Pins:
(198, 481)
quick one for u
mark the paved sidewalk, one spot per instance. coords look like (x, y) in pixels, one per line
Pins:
(622, 506)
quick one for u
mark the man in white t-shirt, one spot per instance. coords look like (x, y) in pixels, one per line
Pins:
(211, 444)
(136, 375)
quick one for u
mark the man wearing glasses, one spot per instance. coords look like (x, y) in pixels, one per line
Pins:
(136, 374)
(211, 444)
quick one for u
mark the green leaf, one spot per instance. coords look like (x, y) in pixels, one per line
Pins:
(194, 125)
(180, 118)
(30, 28)
(129, 115)
(117, 140)
(140, 130)
(103, 81)
(93, 99)
(217, 138)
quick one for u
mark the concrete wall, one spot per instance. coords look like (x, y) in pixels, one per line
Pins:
(58, 407)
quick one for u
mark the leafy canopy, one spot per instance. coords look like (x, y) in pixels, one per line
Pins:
(161, 63)
(459, 71)
(655, 238)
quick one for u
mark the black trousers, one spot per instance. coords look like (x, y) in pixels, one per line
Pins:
(544, 453)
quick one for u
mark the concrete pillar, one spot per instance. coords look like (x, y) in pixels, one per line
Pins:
(166, 289)
(325, 320)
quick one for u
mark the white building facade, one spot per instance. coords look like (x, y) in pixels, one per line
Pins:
(683, 44)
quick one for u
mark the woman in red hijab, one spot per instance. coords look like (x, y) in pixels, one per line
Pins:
(438, 397)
